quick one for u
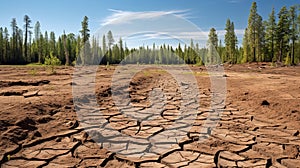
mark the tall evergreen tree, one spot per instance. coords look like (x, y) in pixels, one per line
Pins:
(46, 45)
(282, 33)
(19, 59)
(293, 20)
(37, 35)
(85, 54)
(14, 41)
(110, 39)
(246, 47)
(6, 51)
(85, 31)
(1, 46)
(27, 28)
(254, 32)
(121, 49)
(67, 53)
(104, 48)
(213, 44)
(230, 42)
(270, 35)
(52, 44)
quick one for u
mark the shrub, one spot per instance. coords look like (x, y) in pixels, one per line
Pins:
(52, 61)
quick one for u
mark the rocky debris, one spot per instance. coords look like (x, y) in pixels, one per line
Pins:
(265, 103)
(26, 123)
(31, 94)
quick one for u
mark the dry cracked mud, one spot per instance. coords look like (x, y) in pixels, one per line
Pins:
(258, 124)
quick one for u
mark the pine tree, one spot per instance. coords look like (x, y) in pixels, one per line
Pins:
(78, 50)
(67, 53)
(71, 47)
(230, 42)
(270, 35)
(6, 50)
(41, 49)
(1, 46)
(19, 58)
(121, 49)
(85, 30)
(46, 45)
(254, 32)
(52, 44)
(246, 47)
(293, 19)
(85, 53)
(260, 39)
(213, 44)
(60, 50)
(14, 41)
(282, 33)
(297, 45)
(27, 28)
(37, 34)
(110, 39)
(220, 51)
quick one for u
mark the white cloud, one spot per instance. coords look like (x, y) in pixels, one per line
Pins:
(157, 29)
(197, 36)
(120, 17)
(237, 32)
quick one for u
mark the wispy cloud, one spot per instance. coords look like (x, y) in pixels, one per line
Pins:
(233, 1)
(120, 17)
(238, 32)
(195, 35)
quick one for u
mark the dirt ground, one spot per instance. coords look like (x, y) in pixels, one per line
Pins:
(258, 125)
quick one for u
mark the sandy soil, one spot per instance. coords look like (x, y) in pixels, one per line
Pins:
(258, 125)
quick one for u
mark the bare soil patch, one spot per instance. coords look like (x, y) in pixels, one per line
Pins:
(259, 124)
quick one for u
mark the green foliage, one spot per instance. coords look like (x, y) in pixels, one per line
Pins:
(288, 60)
(52, 61)
(255, 34)
(35, 64)
(282, 33)
(270, 36)
(230, 43)
(212, 45)
(33, 72)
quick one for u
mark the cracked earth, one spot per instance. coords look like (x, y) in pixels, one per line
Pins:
(258, 124)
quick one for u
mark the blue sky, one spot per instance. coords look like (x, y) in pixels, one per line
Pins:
(59, 15)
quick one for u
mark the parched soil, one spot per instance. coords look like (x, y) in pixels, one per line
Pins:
(257, 125)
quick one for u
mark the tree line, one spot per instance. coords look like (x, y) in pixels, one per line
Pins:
(276, 39)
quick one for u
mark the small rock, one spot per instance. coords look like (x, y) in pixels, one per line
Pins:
(72, 124)
(265, 103)
(73, 83)
(31, 94)
(58, 139)
(184, 84)
(225, 76)
(37, 134)
(67, 107)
